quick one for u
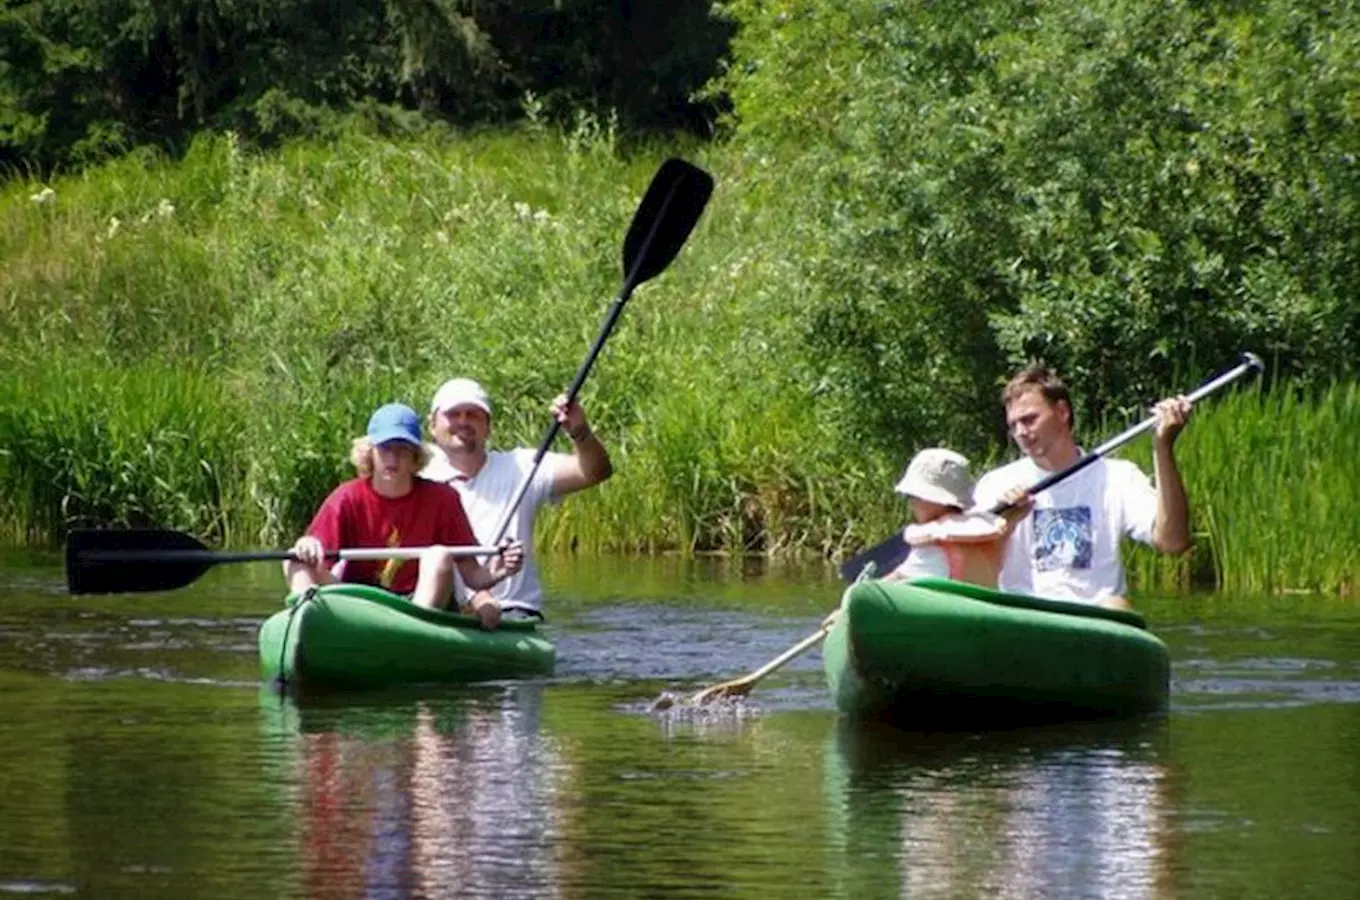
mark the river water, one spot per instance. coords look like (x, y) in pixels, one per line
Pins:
(140, 757)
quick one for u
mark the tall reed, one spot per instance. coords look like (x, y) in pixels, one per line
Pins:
(83, 444)
(194, 344)
(1272, 478)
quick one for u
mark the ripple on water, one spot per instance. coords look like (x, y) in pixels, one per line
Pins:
(1262, 682)
(34, 886)
(639, 642)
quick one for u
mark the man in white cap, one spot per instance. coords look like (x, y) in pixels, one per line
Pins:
(487, 480)
(1068, 549)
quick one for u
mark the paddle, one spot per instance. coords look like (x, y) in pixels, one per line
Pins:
(888, 554)
(740, 687)
(663, 220)
(100, 561)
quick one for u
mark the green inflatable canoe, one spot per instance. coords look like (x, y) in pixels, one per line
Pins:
(933, 649)
(357, 636)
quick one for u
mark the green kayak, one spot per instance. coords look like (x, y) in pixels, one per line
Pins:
(934, 649)
(357, 636)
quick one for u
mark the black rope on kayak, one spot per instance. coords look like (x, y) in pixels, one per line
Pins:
(281, 681)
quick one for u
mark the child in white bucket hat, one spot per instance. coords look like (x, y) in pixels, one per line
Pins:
(949, 537)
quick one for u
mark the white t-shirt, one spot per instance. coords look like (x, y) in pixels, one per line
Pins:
(1067, 548)
(925, 561)
(485, 497)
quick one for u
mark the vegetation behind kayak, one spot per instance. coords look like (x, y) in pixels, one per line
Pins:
(357, 636)
(936, 650)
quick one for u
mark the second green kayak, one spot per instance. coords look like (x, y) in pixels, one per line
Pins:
(357, 636)
(934, 649)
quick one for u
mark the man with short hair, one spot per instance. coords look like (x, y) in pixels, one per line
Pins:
(487, 480)
(1068, 547)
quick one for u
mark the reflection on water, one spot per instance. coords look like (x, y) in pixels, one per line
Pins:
(1072, 811)
(442, 797)
(140, 759)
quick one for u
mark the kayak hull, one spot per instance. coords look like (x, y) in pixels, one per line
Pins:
(356, 636)
(938, 650)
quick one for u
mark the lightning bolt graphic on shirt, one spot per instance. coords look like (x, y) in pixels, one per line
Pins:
(388, 573)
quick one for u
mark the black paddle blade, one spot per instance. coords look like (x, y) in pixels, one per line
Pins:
(667, 214)
(135, 560)
(886, 556)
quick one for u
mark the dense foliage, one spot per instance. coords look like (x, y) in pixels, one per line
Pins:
(912, 200)
(81, 80)
(1132, 191)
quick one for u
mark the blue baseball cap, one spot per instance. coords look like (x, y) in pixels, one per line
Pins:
(394, 422)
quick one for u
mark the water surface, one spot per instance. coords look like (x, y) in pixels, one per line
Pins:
(139, 757)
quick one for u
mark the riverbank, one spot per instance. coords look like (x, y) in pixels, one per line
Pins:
(194, 343)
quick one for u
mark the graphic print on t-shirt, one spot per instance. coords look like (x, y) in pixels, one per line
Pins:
(1062, 538)
(388, 573)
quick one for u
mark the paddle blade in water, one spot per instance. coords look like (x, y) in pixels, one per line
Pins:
(123, 561)
(667, 214)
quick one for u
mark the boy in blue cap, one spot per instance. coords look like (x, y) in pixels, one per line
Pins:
(389, 506)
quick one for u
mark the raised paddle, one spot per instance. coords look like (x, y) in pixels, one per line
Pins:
(100, 561)
(888, 554)
(667, 214)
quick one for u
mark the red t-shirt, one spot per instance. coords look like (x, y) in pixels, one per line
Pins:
(355, 516)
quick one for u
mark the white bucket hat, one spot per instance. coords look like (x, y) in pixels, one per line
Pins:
(940, 476)
(460, 392)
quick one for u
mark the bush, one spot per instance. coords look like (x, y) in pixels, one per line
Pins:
(1127, 192)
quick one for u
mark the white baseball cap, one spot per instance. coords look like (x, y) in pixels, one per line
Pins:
(940, 476)
(460, 392)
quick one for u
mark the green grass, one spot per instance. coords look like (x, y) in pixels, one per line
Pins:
(194, 344)
(303, 288)
(1273, 479)
(84, 444)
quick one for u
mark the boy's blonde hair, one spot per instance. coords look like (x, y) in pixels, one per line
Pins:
(361, 456)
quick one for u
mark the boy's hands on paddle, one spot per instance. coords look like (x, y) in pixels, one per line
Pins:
(308, 565)
(309, 552)
(1172, 414)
